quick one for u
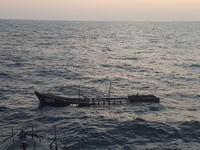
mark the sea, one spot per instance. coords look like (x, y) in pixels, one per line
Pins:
(157, 58)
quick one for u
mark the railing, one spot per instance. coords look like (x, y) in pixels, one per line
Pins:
(8, 142)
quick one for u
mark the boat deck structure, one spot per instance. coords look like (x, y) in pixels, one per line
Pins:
(23, 141)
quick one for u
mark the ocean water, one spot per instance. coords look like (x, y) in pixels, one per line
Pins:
(159, 58)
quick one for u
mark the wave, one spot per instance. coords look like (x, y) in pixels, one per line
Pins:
(154, 131)
(15, 64)
(190, 131)
(195, 65)
(3, 108)
(2, 74)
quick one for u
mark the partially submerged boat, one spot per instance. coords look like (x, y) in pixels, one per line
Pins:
(143, 98)
(53, 100)
(24, 141)
(50, 99)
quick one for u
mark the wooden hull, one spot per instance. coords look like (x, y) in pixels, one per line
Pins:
(52, 100)
(49, 99)
(143, 98)
(85, 104)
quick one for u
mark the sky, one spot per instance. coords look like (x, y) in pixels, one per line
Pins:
(101, 10)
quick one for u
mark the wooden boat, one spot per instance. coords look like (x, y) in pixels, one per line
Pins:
(143, 98)
(24, 141)
(50, 99)
(53, 100)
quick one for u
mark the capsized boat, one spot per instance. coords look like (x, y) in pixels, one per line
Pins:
(24, 141)
(143, 98)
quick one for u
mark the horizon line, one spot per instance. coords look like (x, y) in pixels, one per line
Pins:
(101, 20)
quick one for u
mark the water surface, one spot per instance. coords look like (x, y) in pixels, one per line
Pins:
(159, 58)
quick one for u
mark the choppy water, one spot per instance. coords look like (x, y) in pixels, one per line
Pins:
(160, 58)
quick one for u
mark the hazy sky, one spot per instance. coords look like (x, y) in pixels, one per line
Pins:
(101, 10)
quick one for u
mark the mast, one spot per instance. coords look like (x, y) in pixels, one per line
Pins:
(79, 91)
(109, 94)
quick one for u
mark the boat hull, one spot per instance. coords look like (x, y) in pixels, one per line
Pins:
(143, 98)
(52, 100)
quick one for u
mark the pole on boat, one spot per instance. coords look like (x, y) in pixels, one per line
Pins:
(56, 148)
(79, 91)
(109, 94)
